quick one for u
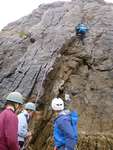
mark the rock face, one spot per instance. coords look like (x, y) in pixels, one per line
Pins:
(41, 57)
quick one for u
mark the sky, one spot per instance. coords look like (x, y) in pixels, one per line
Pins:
(11, 10)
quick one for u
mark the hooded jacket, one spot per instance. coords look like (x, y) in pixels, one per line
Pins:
(8, 130)
(65, 134)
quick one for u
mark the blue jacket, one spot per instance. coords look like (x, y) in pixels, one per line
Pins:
(81, 28)
(22, 125)
(65, 134)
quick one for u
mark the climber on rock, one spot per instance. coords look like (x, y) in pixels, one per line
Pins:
(81, 30)
(24, 135)
(65, 126)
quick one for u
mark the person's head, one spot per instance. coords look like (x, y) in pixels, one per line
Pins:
(30, 108)
(57, 104)
(14, 99)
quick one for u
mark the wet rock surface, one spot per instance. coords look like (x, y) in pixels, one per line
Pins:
(56, 63)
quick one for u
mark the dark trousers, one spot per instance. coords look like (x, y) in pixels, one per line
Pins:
(21, 144)
(81, 37)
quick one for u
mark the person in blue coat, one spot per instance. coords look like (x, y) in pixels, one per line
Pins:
(81, 30)
(65, 126)
(23, 119)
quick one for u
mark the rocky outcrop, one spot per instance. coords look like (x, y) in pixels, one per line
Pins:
(41, 57)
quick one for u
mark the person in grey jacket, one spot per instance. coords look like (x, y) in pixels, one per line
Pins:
(23, 119)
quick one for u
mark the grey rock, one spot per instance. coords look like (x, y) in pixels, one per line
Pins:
(56, 63)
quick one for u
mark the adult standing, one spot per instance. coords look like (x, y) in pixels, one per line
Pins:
(65, 126)
(9, 122)
(24, 135)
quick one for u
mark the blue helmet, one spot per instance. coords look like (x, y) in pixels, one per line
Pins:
(30, 106)
(15, 97)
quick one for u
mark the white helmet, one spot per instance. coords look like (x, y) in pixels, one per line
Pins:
(57, 104)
